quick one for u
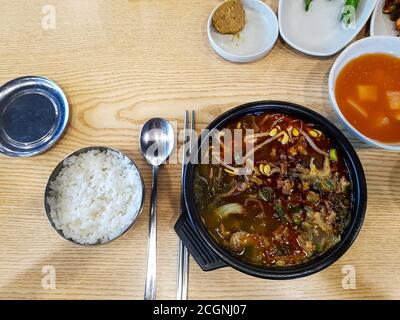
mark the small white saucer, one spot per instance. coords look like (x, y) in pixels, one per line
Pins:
(256, 39)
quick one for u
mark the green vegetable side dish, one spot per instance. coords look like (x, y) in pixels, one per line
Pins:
(348, 11)
(308, 4)
(293, 204)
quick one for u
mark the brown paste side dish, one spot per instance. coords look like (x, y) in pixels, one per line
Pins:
(229, 18)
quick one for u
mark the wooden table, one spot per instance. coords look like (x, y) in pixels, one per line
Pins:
(120, 63)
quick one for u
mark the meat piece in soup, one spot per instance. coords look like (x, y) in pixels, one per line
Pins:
(293, 204)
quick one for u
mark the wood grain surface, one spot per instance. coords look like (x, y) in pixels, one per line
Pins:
(121, 62)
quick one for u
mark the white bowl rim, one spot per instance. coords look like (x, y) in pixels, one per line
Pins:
(372, 30)
(244, 58)
(332, 81)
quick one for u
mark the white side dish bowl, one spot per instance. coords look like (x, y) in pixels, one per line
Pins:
(378, 44)
(319, 31)
(381, 25)
(257, 38)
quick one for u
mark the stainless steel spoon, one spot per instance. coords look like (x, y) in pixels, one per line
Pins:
(156, 142)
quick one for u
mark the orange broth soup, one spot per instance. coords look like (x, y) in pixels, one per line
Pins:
(367, 92)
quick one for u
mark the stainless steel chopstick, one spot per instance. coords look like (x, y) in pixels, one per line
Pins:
(183, 252)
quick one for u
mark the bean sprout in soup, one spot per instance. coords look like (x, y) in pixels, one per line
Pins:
(295, 203)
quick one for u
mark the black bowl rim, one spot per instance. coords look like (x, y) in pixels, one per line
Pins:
(355, 171)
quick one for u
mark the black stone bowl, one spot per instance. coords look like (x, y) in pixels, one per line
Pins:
(211, 255)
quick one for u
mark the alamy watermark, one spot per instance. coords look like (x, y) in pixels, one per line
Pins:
(349, 279)
(234, 149)
(49, 277)
(49, 17)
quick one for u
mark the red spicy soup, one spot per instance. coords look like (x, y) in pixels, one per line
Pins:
(367, 91)
(294, 203)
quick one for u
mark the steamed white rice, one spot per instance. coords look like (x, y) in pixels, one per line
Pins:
(95, 197)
